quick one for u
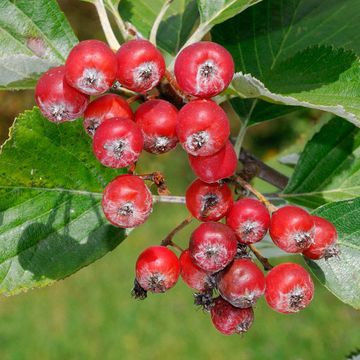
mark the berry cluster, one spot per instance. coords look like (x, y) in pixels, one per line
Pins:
(217, 260)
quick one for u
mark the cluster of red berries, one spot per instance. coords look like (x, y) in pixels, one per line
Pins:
(217, 258)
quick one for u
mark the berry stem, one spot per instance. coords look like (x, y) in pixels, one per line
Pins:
(158, 20)
(119, 21)
(264, 261)
(135, 98)
(173, 83)
(159, 180)
(169, 238)
(169, 199)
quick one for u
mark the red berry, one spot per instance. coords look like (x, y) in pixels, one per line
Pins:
(212, 246)
(289, 288)
(215, 167)
(127, 202)
(105, 107)
(204, 69)
(117, 142)
(325, 238)
(157, 120)
(157, 269)
(203, 127)
(57, 100)
(292, 229)
(250, 220)
(241, 283)
(208, 202)
(140, 65)
(91, 67)
(229, 319)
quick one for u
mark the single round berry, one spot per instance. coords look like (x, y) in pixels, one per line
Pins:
(289, 288)
(202, 128)
(157, 269)
(204, 69)
(212, 246)
(250, 220)
(229, 319)
(215, 167)
(118, 142)
(157, 120)
(241, 283)
(325, 238)
(127, 202)
(208, 202)
(58, 101)
(292, 229)
(141, 65)
(105, 107)
(91, 67)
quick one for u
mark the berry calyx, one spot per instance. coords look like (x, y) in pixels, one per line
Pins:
(202, 128)
(292, 229)
(204, 69)
(250, 220)
(118, 142)
(289, 288)
(157, 121)
(208, 202)
(58, 101)
(91, 67)
(141, 65)
(212, 246)
(231, 320)
(241, 283)
(324, 245)
(105, 107)
(215, 167)
(127, 202)
(157, 269)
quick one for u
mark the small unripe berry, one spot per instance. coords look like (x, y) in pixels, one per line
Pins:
(229, 319)
(157, 269)
(289, 288)
(91, 67)
(127, 202)
(215, 167)
(204, 69)
(202, 128)
(140, 65)
(208, 202)
(118, 142)
(292, 229)
(157, 121)
(241, 283)
(212, 246)
(250, 220)
(58, 101)
(325, 238)
(105, 107)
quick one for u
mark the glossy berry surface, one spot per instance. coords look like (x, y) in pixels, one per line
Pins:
(204, 69)
(289, 288)
(230, 320)
(215, 167)
(157, 121)
(250, 220)
(105, 107)
(157, 269)
(202, 128)
(241, 283)
(324, 245)
(212, 246)
(117, 142)
(208, 202)
(58, 101)
(292, 229)
(91, 67)
(140, 65)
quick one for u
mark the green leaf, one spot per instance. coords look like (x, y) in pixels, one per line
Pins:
(329, 167)
(341, 275)
(51, 222)
(34, 36)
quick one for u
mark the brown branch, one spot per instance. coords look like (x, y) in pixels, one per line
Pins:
(264, 261)
(159, 180)
(173, 83)
(169, 238)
